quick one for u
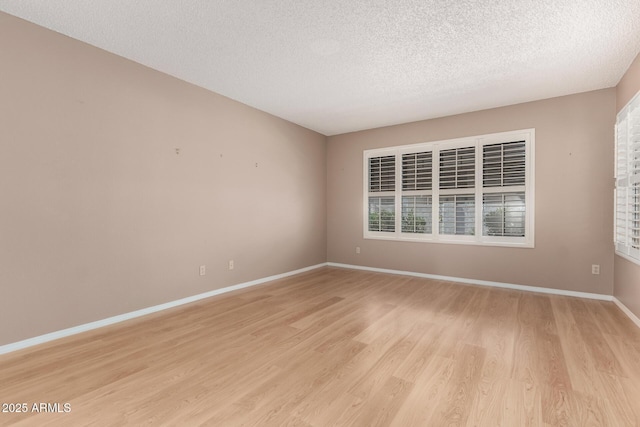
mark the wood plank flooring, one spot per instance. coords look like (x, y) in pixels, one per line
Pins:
(343, 347)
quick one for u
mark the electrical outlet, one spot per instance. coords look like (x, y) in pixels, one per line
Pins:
(595, 269)
(203, 270)
(231, 264)
(357, 249)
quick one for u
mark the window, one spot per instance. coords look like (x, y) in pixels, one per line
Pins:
(417, 171)
(504, 190)
(627, 192)
(382, 175)
(476, 190)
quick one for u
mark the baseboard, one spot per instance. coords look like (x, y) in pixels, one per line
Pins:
(8, 348)
(30, 342)
(551, 291)
(626, 311)
(479, 282)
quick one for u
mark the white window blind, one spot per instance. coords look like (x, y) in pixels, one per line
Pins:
(417, 185)
(627, 192)
(504, 214)
(457, 171)
(417, 171)
(457, 214)
(382, 174)
(504, 196)
(457, 168)
(382, 184)
(476, 190)
(503, 164)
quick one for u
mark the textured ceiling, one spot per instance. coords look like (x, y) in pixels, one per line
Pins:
(336, 66)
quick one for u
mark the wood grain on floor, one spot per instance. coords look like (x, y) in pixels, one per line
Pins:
(342, 347)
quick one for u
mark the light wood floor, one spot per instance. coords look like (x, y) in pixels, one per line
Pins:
(342, 347)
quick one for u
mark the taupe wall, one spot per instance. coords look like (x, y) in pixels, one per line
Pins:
(573, 202)
(99, 216)
(627, 274)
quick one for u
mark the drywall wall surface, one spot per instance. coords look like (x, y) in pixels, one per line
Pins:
(629, 84)
(118, 182)
(627, 284)
(627, 274)
(573, 197)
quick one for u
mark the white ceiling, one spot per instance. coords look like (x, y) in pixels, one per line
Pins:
(337, 66)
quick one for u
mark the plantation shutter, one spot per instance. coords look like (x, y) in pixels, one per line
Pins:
(382, 184)
(503, 164)
(382, 174)
(417, 169)
(627, 193)
(503, 181)
(473, 190)
(417, 201)
(458, 168)
(457, 209)
(457, 214)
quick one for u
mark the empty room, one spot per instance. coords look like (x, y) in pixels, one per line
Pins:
(399, 213)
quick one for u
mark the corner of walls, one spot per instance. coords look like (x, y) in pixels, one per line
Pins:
(626, 288)
(573, 148)
(119, 181)
(628, 85)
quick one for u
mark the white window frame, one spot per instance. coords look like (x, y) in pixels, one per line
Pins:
(528, 241)
(627, 181)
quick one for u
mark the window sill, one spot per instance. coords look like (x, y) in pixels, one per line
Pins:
(628, 258)
(460, 240)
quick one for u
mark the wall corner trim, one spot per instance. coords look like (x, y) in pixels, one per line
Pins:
(30, 342)
(626, 311)
(527, 288)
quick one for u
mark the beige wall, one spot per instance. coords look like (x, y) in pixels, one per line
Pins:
(99, 216)
(629, 85)
(627, 274)
(573, 201)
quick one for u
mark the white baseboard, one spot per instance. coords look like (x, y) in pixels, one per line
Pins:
(626, 311)
(479, 282)
(138, 313)
(552, 291)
